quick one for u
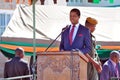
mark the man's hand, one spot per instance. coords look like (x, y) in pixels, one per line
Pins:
(98, 66)
(95, 64)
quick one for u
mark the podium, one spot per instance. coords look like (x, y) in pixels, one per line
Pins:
(61, 66)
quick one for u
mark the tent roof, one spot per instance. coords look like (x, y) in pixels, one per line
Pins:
(51, 19)
(49, 22)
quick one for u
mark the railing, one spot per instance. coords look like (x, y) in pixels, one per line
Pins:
(95, 3)
(18, 77)
(115, 78)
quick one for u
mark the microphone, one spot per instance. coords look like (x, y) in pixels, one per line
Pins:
(63, 29)
(76, 50)
(57, 37)
(73, 50)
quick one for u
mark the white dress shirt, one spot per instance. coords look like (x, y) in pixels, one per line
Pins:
(75, 30)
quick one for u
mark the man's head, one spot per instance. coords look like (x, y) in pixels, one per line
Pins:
(114, 56)
(19, 52)
(74, 16)
(91, 23)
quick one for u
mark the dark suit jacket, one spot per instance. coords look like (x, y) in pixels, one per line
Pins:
(16, 67)
(108, 71)
(82, 40)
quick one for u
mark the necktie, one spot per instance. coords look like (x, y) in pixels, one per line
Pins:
(116, 70)
(71, 34)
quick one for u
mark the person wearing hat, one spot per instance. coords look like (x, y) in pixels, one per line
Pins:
(17, 66)
(93, 67)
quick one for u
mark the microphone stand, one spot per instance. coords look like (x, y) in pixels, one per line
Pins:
(52, 42)
(35, 63)
(56, 38)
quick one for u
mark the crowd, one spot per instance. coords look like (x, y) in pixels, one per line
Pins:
(30, 1)
(78, 37)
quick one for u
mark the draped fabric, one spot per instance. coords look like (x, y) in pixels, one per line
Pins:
(49, 25)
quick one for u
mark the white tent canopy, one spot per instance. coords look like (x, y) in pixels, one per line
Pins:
(51, 19)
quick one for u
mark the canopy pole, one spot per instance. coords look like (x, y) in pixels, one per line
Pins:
(34, 40)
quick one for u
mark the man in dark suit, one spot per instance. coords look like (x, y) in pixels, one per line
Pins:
(77, 36)
(111, 67)
(17, 66)
(81, 36)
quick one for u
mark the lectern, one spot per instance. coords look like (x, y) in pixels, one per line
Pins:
(61, 66)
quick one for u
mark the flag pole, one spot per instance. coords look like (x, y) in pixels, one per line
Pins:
(34, 40)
